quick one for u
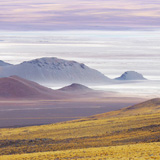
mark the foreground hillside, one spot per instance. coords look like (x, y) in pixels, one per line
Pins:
(149, 107)
(132, 152)
(132, 125)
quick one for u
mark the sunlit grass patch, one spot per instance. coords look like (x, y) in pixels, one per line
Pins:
(142, 151)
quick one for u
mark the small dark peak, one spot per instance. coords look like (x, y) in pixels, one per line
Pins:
(82, 66)
(76, 87)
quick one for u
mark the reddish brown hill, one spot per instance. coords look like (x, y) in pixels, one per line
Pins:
(16, 87)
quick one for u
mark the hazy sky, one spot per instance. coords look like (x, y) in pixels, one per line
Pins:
(79, 14)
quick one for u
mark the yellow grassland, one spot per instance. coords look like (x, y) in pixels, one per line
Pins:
(81, 134)
(144, 151)
(138, 124)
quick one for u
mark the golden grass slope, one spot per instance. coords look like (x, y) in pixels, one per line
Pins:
(149, 107)
(127, 126)
(144, 151)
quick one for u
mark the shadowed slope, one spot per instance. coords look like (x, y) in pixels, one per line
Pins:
(2, 63)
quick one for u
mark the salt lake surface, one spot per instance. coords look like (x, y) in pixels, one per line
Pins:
(110, 52)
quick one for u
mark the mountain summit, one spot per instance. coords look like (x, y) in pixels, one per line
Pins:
(131, 75)
(2, 63)
(55, 71)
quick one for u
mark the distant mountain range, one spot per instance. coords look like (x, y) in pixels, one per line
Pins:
(55, 71)
(131, 75)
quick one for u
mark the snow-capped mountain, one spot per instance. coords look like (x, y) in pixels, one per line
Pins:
(2, 63)
(53, 70)
(131, 75)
